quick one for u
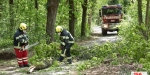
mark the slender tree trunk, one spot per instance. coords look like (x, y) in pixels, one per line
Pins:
(147, 13)
(140, 20)
(140, 12)
(11, 13)
(36, 15)
(71, 17)
(147, 22)
(52, 6)
(83, 27)
(1, 9)
(36, 4)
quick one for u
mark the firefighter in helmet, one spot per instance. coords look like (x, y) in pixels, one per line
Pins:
(67, 41)
(19, 42)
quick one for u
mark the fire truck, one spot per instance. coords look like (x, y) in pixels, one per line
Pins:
(111, 16)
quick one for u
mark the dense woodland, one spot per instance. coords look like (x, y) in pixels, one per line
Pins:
(77, 16)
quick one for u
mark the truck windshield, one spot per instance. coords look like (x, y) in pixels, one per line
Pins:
(110, 11)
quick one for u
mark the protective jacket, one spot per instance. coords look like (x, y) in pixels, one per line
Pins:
(20, 39)
(66, 38)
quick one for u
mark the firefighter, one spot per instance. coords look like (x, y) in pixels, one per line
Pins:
(67, 41)
(20, 41)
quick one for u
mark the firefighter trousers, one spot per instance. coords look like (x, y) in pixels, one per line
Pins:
(66, 53)
(22, 57)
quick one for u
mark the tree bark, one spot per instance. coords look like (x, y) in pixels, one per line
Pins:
(147, 13)
(72, 17)
(36, 15)
(83, 27)
(140, 12)
(11, 13)
(147, 22)
(52, 6)
(1, 2)
(140, 20)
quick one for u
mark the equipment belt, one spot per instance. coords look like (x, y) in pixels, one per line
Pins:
(17, 47)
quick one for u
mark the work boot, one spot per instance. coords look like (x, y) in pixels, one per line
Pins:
(61, 58)
(69, 61)
(21, 66)
(27, 65)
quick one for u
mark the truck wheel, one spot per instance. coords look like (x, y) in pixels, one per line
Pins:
(104, 32)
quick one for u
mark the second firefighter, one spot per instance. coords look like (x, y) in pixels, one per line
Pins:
(67, 41)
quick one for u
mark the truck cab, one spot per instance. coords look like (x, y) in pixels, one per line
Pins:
(111, 16)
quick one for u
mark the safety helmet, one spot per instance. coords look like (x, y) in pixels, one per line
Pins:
(23, 26)
(59, 29)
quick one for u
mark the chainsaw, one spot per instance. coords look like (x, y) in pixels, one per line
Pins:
(29, 46)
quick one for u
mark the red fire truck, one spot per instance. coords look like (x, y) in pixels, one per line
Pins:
(111, 16)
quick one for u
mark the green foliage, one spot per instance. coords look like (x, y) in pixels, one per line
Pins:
(5, 43)
(44, 52)
(111, 2)
(134, 38)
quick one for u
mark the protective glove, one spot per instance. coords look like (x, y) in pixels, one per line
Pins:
(22, 48)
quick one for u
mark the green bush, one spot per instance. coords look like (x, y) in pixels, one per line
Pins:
(45, 51)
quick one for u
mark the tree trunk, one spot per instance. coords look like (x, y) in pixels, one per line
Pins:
(36, 15)
(1, 2)
(71, 17)
(52, 6)
(140, 12)
(140, 20)
(83, 27)
(147, 13)
(11, 13)
(147, 22)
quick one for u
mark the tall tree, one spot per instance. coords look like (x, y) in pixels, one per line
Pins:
(72, 17)
(36, 15)
(1, 2)
(140, 20)
(84, 14)
(11, 13)
(147, 22)
(147, 12)
(140, 12)
(52, 6)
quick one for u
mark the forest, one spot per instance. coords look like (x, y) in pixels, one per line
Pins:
(78, 17)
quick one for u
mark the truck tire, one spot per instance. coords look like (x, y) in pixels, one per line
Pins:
(104, 31)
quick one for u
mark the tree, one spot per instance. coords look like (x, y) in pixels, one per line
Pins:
(11, 26)
(147, 33)
(72, 17)
(84, 14)
(36, 15)
(52, 6)
(140, 20)
(1, 9)
(147, 13)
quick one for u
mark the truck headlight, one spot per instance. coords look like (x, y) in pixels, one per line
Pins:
(105, 26)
